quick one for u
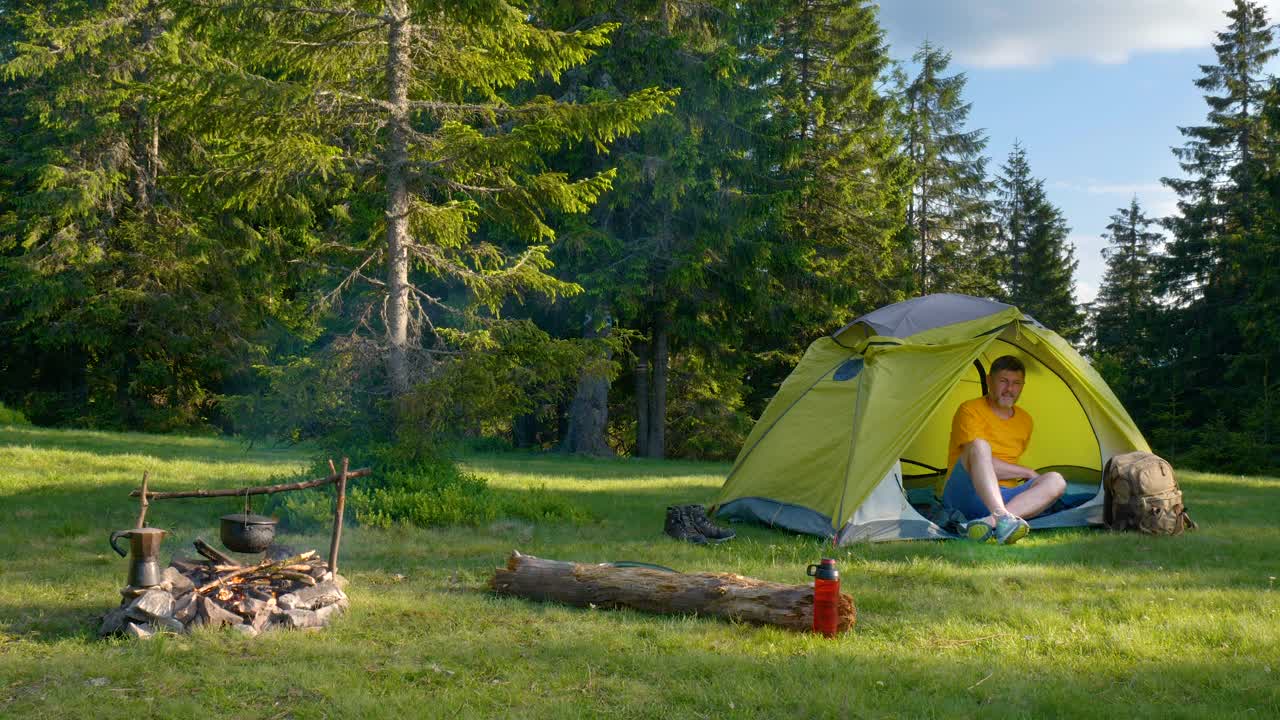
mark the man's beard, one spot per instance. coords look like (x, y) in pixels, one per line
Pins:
(1005, 402)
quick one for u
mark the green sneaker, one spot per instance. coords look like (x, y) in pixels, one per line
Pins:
(977, 530)
(1010, 529)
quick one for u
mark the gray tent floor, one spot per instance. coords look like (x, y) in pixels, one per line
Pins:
(796, 518)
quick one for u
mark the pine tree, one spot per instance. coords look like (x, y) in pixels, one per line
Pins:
(1013, 186)
(124, 300)
(1125, 309)
(948, 218)
(766, 201)
(1041, 275)
(416, 106)
(832, 166)
(1218, 251)
(658, 256)
(1220, 159)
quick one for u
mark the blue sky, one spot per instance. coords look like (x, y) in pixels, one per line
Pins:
(1094, 89)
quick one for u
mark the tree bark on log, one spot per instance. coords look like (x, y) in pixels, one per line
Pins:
(722, 595)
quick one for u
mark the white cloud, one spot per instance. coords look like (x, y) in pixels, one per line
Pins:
(1157, 200)
(1130, 189)
(1019, 33)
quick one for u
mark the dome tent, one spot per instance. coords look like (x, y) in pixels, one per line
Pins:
(866, 415)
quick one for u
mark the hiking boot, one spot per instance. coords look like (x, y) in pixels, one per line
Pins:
(976, 530)
(680, 527)
(709, 530)
(1010, 529)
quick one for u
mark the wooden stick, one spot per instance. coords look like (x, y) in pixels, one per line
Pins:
(337, 518)
(142, 514)
(261, 490)
(214, 554)
(262, 567)
(295, 576)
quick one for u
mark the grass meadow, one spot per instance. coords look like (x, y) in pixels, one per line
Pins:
(1072, 623)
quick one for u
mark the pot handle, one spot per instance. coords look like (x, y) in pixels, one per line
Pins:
(116, 547)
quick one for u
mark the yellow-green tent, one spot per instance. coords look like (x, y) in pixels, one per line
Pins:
(866, 415)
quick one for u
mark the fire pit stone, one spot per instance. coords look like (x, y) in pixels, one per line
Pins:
(297, 592)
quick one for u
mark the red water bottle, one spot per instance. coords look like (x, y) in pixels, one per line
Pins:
(826, 597)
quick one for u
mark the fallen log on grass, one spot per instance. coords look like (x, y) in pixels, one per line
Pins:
(722, 595)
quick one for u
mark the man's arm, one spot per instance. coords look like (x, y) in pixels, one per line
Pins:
(1007, 470)
(1010, 471)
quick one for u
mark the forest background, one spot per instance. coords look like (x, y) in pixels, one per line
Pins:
(600, 227)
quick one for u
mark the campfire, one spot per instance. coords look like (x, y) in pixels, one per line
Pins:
(285, 590)
(296, 592)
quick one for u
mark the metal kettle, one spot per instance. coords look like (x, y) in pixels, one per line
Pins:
(144, 552)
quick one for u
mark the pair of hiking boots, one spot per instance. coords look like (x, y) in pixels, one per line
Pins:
(691, 524)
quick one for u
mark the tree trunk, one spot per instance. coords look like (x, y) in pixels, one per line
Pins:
(642, 399)
(146, 131)
(398, 66)
(722, 595)
(589, 413)
(524, 430)
(658, 408)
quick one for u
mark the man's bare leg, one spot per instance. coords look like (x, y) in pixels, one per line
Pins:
(1044, 490)
(1042, 493)
(976, 459)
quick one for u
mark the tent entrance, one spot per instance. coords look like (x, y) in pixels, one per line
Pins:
(1062, 436)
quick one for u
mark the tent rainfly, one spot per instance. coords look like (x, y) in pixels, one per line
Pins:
(866, 415)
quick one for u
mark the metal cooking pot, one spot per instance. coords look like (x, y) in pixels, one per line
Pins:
(247, 533)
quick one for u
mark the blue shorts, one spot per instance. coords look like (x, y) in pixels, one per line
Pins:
(960, 495)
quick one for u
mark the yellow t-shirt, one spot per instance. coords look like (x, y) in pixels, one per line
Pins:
(1008, 438)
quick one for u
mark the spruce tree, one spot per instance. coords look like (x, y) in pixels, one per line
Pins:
(765, 202)
(1221, 158)
(948, 218)
(1125, 310)
(124, 300)
(832, 165)
(1218, 252)
(658, 256)
(1040, 279)
(416, 106)
(1013, 188)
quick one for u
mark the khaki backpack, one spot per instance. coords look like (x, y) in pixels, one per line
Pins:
(1142, 494)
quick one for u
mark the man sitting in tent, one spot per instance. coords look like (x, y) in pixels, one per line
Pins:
(986, 484)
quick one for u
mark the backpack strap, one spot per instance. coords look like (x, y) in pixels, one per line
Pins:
(1190, 524)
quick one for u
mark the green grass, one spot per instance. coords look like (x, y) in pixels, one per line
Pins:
(1068, 623)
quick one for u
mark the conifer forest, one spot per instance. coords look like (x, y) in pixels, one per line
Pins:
(597, 226)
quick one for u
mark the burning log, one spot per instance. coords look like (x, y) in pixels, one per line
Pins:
(266, 569)
(722, 595)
